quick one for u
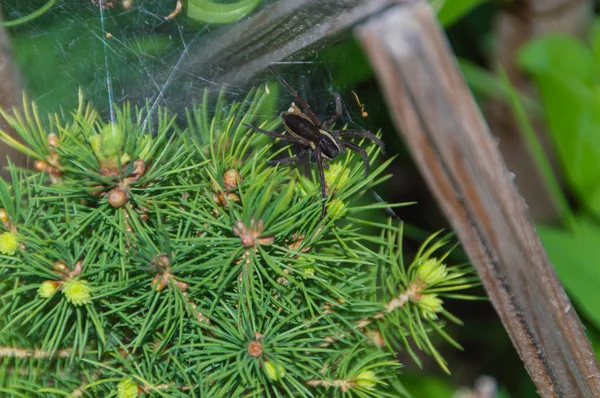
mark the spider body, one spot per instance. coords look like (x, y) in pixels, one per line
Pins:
(316, 137)
(300, 125)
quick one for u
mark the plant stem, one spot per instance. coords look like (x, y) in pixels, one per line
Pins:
(29, 17)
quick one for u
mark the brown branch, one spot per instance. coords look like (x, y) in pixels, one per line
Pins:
(412, 292)
(200, 317)
(14, 352)
(452, 145)
(343, 385)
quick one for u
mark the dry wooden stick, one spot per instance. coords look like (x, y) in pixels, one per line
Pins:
(433, 107)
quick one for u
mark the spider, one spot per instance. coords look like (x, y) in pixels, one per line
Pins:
(316, 137)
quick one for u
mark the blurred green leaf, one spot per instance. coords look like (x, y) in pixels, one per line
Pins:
(595, 43)
(564, 69)
(219, 13)
(536, 151)
(421, 386)
(348, 63)
(594, 337)
(427, 386)
(29, 17)
(576, 258)
(559, 55)
(489, 85)
(452, 10)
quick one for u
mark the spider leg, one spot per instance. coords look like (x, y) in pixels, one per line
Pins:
(337, 114)
(289, 160)
(360, 151)
(320, 162)
(297, 97)
(285, 137)
(313, 159)
(363, 134)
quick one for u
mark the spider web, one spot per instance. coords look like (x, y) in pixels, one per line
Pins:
(113, 54)
(116, 55)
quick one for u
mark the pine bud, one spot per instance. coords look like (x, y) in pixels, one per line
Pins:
(430, 305)
(432, 271)
(96, 143)
(337, 208)
(274, 371)
(8, 243)
(40, 165)
(61, 266)
(255, 348)
(309, 272)
(233, 197)
(3, 215)
(111, 140)
(77, 291)
(47, 289)
(161, 262)
(117, 197)
(108, 145)
(366, 379)
(306, 186)
(146, 145)
(127, 388)
(139, 168)
(231, 178)
(124, 158)
(159, 282)
(336, 171)
(53, 140)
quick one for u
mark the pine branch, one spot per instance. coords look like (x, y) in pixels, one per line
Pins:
(36, 354)
(173, 261)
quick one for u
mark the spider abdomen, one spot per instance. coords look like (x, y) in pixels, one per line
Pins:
(301, 126)
(328, 144)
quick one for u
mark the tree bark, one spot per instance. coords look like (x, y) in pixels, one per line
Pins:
(432, 106)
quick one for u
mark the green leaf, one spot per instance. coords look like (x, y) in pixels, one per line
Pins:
(340, 56)
(564, 69)
(595, 42)
(452, 10)
(560, 55)
(576, 257)
(490, 85)
(221, 13)
(29, 17)
(427, 386)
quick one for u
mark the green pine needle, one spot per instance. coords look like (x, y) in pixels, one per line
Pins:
(172, 258)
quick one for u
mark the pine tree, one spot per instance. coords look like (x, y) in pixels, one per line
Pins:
(143, 257)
